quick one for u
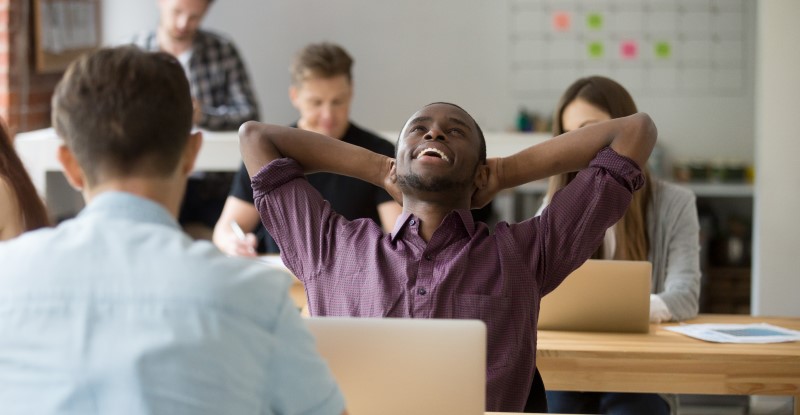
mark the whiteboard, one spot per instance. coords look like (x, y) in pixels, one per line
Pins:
(412, 52)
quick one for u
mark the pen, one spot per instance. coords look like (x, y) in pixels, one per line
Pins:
(238, 230)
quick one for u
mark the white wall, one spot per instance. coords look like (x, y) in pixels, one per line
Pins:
(776, 275)
(412, 52)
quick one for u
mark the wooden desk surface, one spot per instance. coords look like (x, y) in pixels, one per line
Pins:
(668, 362)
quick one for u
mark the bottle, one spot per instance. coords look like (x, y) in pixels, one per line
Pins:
(523, 120)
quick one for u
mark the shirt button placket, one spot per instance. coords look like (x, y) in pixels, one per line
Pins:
(422, 302)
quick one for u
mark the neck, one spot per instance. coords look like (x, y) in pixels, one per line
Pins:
(171, 45)
(167, 192)
(431, 213)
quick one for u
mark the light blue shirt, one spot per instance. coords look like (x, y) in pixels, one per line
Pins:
(119, 312)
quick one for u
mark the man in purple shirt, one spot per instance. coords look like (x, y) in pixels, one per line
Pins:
(437, 262)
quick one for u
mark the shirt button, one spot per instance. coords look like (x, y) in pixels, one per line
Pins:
(421, 291)
(412, 222)
(429, 257)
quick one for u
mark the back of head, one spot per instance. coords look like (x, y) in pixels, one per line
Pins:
(604, 93)
(320, 60)
(124, 112)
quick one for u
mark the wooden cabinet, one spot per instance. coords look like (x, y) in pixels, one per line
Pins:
(725, 212)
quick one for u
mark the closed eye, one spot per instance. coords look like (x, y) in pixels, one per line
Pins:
(456, 131)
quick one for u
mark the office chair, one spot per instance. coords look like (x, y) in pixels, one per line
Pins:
(537, 400)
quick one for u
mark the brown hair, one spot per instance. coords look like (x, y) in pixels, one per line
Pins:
(606, 94)
(320, 60)
(124, 112)
(34, 214)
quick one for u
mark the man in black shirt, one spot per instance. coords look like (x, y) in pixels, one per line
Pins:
(321, 91)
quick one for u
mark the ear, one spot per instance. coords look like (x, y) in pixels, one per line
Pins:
(190, 152)
(393, 172)
(293, 92)
(481, 179)
(72, 170)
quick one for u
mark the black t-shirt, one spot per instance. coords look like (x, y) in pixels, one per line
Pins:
(350, 197)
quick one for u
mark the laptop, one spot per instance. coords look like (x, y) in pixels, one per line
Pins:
(601, 295)
(405, 366)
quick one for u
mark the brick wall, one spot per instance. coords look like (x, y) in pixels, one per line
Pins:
(24, 94)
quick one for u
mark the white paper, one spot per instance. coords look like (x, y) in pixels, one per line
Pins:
(272, 260)
(737, 333)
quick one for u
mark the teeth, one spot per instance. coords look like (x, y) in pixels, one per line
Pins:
(435, 151)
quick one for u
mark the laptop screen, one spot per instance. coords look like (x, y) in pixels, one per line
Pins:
(405, 366)
(601, 295)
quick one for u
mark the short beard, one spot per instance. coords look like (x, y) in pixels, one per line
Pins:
(417, 182)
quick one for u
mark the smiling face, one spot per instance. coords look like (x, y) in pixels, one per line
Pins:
(439, 150)
(580, 113)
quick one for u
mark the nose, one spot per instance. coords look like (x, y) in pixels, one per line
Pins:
(435, 133)
(326, 112)
(182, 22)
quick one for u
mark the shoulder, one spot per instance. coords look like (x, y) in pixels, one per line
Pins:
(671, 194)
(369, 140)
(145, 40)
(208, 39)
(252, 289)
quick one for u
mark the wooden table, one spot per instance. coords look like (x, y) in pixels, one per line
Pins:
(666, 362)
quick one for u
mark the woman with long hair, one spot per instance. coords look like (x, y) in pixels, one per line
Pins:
(660, 226)
(21, 209)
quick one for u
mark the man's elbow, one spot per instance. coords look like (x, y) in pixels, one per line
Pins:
(648, 131)
(249, 131)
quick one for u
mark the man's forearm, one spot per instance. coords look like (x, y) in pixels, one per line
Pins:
(261, 143)
(632, 136)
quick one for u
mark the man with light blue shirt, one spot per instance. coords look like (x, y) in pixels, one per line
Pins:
(118, 311)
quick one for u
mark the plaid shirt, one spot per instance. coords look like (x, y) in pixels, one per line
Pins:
(218, 79)
(352, 268)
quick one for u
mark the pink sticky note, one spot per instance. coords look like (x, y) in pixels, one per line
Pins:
(561, 21)
(629, 49)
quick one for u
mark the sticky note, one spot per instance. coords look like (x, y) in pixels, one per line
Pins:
(595, 49)
(663, 50)
(561, 21)
(629, 49)
(594, 21)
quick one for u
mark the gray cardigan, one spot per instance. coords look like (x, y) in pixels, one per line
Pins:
(674, 236)
(674, 233)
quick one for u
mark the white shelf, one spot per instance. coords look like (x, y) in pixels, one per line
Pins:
(721, 189)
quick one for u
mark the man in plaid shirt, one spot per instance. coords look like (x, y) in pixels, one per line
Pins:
(221, 91)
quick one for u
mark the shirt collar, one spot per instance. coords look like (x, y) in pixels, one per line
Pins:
(123, 205)
(462, 217)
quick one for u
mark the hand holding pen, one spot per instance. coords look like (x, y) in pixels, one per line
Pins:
(241, 243)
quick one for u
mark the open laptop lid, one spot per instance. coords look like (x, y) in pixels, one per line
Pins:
(405, 366)
(601, 295)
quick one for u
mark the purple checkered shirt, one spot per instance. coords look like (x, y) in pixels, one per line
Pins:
(352, 268)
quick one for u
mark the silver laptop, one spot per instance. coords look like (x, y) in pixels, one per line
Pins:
(601, 295)
(405, 366)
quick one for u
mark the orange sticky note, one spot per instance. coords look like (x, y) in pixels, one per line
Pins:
(561, 21)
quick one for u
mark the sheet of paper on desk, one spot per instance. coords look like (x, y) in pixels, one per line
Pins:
(737, 333)
(271, 259)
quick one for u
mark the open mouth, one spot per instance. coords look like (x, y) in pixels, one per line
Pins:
(433, 152)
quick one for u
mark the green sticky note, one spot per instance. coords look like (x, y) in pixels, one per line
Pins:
(595, 49)
(663, 50)
(594, 21)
